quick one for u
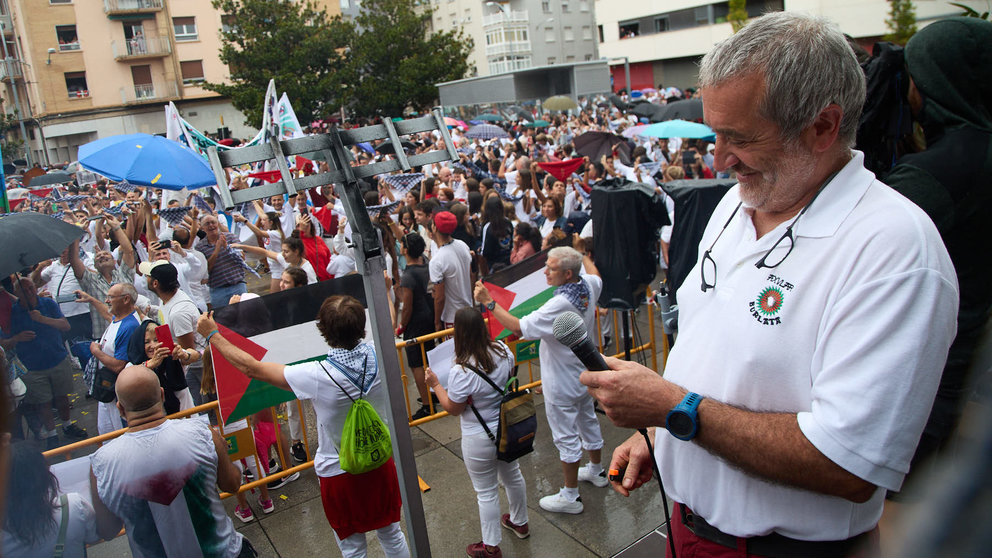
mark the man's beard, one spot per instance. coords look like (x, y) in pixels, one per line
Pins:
(775, 188)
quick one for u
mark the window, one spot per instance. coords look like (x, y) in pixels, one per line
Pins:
(568, 34)
(468, 16)
(569, 58)
(551, 60)
(60, 1)
(564, 6)
(75, 83)
(586, 32)
(345, 4)
(68, 40)
(546, 6)
(185, 28)
(549, 35)
(192, 71)
(228, 23)
(599, 29)
(141, 76)
(702, 15)
(628, 30)
(583, 5)
(588, 57)
(662, 24)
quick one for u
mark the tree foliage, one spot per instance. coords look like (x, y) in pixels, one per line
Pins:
(295, 43)
(384, 62)
(737, 14)
(901, 21)
(395, 62)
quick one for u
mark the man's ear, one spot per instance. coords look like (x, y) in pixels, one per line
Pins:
(822, 133)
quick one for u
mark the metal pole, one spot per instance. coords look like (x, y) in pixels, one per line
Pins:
(372, 264)
(17, 100)
(626, 75)
(44, 142)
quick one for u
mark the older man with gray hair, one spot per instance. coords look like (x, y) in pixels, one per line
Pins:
(111, 350)
(570, 410)
(808, 359)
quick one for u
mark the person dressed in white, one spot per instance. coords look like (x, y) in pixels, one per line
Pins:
(179, 312)
(111, 350)
(292, 253)
(808, 361)
(476, 354)
(353, 504)
(571, 415)
(450, 271)
(35, 510)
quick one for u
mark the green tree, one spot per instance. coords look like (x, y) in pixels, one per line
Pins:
(395, 61)
(295, 43)
(737, 14)
(901, 22)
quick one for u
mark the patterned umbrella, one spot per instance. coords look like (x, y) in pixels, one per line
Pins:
(486, 131)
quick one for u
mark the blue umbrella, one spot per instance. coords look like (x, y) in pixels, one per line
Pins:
(678, 129)
(147, 160)
(486, 131)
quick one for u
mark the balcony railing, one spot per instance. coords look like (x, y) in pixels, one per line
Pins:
(7, 23)
(140, 93)
(500, 18)
(515, 47)
(112, 7)
(141, 47)
(11, 67)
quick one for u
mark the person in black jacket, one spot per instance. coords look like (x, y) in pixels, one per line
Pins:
(144, 348)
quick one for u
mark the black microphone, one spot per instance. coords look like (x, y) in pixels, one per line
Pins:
(570, 331)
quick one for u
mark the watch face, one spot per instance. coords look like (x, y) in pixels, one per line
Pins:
(680, 424)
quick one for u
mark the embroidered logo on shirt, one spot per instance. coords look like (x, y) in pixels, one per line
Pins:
(766, 307)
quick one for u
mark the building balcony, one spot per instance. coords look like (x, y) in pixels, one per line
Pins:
(8, 24)
(502, 18)
(515, 48)
(127, 7)
(143, 93)
(11, 69)
(141, 47)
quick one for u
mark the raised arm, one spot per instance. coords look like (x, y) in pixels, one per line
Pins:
(268, 372)
(256, 250)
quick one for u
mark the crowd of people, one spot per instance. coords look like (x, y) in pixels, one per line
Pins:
(836, 427)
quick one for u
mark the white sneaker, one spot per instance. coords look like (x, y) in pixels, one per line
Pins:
(560, 504)
(598, 480)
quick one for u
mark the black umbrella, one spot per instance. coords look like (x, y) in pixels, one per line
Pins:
(689, 109)
(54, 177)
(619, 103)
(514, 112)
(645, 110)
(387, 146)
(596, 144)
(28, 238)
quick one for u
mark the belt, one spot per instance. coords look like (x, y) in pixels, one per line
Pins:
(772, 545)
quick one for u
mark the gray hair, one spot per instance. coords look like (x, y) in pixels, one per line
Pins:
(807, 65)
(129, 291)
(569, 258)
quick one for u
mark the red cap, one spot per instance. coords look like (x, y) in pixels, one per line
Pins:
(445, 222)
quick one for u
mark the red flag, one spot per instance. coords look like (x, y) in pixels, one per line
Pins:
(15, 202)
(502, 297)
(268, 176)
(562, 170)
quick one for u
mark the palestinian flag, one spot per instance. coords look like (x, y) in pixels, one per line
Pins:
(520, 288)
(278, 327)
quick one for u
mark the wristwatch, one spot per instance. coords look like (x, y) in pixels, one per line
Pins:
(681, 421)
(491, 305)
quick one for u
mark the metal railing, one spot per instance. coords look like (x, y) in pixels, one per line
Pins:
(512, 47)
(141, 47)
(11, 67)
(140, 93)
(501, 17)
(118, 6)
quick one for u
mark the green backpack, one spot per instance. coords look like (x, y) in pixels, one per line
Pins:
(365, 441)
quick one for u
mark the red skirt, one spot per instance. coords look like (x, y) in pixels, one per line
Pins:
(361, 503)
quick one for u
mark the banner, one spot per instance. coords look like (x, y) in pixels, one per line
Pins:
(289, 125)
(520, 288)
(278, 327)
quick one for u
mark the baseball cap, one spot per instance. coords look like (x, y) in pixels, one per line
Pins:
(445, 222)
(159, 270)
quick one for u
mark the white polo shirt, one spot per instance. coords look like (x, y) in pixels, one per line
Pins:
(560, 368)
(850, 332)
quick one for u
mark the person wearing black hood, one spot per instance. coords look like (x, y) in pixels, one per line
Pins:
(950, 92)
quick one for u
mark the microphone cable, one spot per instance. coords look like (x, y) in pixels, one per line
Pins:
(661, 486)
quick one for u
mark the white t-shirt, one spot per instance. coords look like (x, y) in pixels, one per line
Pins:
(451, 264)
(342, 264)
(57, 274)
(182, 314)
(273, 243)
(80, 532)
(305, 265)
(464, 383)
(560, 368)
(151, 478)
(850, 333)
(308, 380)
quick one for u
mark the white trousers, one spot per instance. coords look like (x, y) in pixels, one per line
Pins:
(486, 472)
(574, 428)
(390, 537)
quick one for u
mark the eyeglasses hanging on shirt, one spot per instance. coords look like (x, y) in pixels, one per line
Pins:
(764, 261)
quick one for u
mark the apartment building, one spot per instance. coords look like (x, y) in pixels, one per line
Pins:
(663, 40)
(80, 70)
(518, 34)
